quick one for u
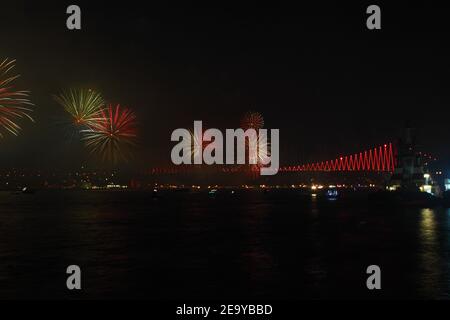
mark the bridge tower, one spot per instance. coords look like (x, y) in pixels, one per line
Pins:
(409, 171)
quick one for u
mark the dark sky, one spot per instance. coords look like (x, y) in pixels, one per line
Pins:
(330, 85)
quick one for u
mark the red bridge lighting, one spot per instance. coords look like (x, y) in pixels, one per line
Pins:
(380, 159)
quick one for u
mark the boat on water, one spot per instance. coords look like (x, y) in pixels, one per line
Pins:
(332, 194)
(25, 190)
(156, 194)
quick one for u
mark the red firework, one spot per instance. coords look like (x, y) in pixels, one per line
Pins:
(252, 120)
(113, 134)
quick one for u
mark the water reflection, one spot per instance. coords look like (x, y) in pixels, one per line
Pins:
(249, 245)
(256, 257)
(429, 257)
(428, 228)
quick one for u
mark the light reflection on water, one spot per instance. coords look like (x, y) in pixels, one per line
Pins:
(430, 261)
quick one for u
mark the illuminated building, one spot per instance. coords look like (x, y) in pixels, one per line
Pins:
(447, 184)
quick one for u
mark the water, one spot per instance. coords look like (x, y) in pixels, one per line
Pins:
(276, 245)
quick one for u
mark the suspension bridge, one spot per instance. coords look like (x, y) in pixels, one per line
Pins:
(382, 158)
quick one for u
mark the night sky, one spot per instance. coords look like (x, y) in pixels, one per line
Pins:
(317, 73)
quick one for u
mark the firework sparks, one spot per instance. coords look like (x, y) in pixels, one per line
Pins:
(197, 146)
(14, 104)
(257, 150)
(112, 135)
(84, 105)
(261, 155)
(252, 120)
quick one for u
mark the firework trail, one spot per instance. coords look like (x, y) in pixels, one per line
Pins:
(14, 104)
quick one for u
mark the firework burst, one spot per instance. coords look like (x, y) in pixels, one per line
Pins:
(197, 146)
(252, 120)
(112, 135)
(261, 155)
(84, 105)
(14, 104)
(257, 150)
